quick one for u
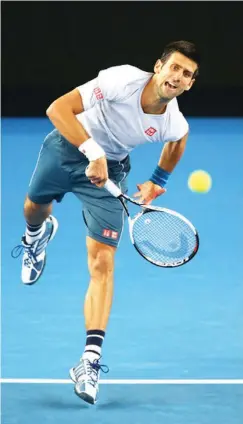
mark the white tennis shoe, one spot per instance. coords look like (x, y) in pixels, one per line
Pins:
(86, 376)
(34, 257)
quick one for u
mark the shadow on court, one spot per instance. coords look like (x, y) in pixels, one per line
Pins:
(140, 404)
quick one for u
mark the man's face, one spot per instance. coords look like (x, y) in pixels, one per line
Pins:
(174, 76)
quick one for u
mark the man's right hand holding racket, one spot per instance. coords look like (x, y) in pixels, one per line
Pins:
(97, 171)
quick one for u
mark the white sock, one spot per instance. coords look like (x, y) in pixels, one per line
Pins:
(91, 356)
(32, 234)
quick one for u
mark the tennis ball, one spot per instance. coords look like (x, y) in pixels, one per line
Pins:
(200, 181)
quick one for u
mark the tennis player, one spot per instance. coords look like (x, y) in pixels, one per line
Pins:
(96, 126)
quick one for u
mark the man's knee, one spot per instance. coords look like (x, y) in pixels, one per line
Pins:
(29, 205)
(100, 259)
(32, 210)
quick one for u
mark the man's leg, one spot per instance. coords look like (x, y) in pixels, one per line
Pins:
(97, 309)
(98, 299)
(36, 214)
(49, 181)
(104, 218)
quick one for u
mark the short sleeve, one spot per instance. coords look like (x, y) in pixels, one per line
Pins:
(110, 84)
(182, 127)
(87, 93)
(177, 126)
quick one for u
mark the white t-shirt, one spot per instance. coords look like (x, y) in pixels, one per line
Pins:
(114, 117)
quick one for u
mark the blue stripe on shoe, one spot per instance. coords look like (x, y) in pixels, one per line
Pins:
(33, 274)
(42, 243)
(36, 270)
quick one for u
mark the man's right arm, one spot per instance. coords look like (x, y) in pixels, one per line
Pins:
(62, 114)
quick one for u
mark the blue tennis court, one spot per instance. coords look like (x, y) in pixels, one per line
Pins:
(166, 324)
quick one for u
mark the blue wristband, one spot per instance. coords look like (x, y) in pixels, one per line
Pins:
(160, 176)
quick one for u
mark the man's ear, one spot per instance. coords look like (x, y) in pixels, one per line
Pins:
(157, 67)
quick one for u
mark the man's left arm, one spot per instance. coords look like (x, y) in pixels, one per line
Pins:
(170, 156)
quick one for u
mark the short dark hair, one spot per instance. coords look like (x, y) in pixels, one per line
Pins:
(186, 48)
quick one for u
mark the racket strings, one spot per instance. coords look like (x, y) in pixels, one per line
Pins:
(163, 237)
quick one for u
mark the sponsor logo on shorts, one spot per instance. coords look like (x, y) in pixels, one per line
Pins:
(110, 234)
(150, 131)
(98, 93)
(114, 235)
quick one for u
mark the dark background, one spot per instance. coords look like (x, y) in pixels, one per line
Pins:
(48, 48)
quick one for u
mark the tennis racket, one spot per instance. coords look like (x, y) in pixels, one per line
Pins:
(161, 236)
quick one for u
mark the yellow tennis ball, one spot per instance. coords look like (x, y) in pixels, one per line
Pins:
(200, 181)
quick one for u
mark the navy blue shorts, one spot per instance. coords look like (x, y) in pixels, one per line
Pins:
(61, 169)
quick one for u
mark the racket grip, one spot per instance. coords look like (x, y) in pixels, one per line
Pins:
(112, 188)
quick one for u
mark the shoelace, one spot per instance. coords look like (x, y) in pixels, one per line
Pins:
(92, 369)
(17, 251)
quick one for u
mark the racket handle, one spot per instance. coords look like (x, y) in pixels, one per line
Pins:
(112, 188)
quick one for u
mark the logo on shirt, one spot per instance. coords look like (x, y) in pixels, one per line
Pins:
(110, 234)
(98, 93)
(150, 131)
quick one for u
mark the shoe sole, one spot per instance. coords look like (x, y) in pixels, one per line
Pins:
(54, 230)
(84, 396)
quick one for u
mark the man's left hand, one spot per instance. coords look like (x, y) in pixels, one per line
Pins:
(148, 191)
